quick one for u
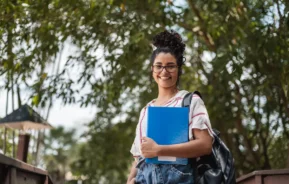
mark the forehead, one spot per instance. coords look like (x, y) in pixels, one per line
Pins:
(165, 58)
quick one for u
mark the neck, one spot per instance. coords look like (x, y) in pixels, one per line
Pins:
(167, 93)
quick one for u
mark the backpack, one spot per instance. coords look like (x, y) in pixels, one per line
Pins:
(218, 167)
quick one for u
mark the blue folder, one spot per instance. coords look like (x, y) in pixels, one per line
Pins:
(166, 126)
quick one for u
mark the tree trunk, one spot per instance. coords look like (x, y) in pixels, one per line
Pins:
(5, 129)
(13, 131)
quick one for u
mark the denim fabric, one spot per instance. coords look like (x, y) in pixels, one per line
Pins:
(163, 173)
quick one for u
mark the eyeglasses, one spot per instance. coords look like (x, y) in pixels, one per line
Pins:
(169, 68)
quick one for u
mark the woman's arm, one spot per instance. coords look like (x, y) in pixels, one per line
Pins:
(132, 174)
(201, 145)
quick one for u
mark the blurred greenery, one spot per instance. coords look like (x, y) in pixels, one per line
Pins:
(237, 57)
(60, 145)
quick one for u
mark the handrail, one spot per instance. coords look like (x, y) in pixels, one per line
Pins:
(278, 176)
(13, 171)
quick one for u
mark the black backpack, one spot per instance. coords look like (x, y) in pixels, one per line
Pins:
(218, 167)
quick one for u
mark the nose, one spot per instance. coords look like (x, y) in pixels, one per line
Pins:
(164, 70)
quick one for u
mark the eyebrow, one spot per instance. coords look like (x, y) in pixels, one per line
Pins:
(169, 63)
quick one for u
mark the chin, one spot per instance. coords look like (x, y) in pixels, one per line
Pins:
(166, 85)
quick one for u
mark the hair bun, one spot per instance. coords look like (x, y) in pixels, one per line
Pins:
(170, 39)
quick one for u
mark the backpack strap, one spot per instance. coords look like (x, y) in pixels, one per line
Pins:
(188, 98)
(186, 103)
(198, 93)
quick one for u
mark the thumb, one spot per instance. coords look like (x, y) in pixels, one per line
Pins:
(144, 138)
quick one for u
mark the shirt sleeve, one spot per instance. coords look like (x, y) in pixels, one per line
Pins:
(199, 118)
(135, 151)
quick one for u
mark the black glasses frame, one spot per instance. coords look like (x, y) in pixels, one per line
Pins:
(164, 67)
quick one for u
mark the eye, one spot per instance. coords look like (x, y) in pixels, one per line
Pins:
(158, 67)
(171, 67)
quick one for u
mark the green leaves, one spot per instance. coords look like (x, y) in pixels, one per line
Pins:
(60, 145)
(236, 57)
(35, 100)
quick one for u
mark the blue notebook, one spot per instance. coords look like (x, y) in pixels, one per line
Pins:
(168, 125)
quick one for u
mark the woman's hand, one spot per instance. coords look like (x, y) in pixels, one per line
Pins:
(149, 147)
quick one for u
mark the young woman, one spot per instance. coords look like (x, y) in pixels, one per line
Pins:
(166, 65)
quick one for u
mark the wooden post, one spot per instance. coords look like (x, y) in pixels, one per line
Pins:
(46, 180)
(23, 145)
(13, 176)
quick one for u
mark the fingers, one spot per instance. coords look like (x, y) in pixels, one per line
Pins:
(146, 143)
(145, 139)
(148, 147)
(143, 146)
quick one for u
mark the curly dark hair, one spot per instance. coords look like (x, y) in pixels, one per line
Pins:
(169, 42)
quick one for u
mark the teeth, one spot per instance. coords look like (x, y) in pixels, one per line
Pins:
(164, 78)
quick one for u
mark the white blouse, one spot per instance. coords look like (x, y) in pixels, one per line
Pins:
(198, 117)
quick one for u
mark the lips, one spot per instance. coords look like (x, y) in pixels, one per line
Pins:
(164, 78)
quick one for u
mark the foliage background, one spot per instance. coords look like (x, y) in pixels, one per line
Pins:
(237, 56)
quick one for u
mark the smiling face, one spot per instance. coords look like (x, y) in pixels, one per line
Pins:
(165, 79)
